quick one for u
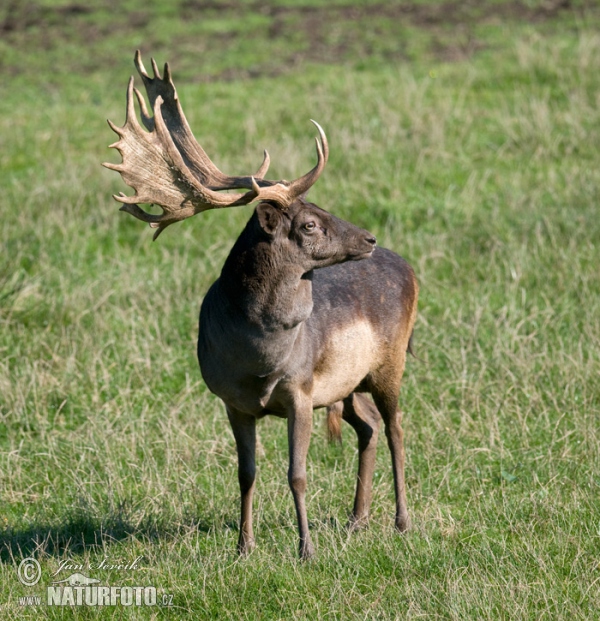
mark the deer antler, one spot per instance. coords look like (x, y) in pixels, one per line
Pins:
(285, 193)
(166, 166)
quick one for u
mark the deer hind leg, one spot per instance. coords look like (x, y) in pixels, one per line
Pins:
(362, 414)
(387, 404)
(244, 431)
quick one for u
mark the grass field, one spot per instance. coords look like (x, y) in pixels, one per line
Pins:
(465, 137)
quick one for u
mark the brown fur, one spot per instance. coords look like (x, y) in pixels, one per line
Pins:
(297, 320)
(334, 422)
(275, 339)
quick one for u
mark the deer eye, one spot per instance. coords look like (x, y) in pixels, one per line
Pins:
(310, 226)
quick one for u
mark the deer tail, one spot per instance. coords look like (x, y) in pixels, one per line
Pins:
(334, 422)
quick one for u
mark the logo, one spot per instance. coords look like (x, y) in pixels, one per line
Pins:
(78, 589)
(78, 580)
(29, 572)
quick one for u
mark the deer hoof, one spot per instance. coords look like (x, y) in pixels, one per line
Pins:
(307, 550)
(402, 523)
(357, 523)
(245, 546)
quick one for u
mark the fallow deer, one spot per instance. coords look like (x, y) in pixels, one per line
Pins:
(307, 312)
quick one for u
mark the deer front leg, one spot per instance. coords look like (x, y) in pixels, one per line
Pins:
(244, 431)
(299, 430)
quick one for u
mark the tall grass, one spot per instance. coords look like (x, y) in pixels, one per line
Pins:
(483, 173)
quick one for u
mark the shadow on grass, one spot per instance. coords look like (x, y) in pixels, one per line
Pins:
(86, 532)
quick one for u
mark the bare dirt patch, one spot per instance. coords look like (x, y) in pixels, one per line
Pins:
(349, 33)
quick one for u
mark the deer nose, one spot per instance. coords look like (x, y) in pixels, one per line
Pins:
(371, 240)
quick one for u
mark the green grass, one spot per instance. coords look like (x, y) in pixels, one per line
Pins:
(468, 144)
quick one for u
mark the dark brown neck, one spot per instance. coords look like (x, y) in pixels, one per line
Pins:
(269, 291)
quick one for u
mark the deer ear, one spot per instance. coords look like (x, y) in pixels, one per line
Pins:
(269, 218)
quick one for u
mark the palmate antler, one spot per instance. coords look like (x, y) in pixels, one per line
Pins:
(167, 167)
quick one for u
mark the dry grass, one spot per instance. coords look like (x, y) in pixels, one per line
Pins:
(483, 174)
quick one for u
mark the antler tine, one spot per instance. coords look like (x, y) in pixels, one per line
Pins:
(155, 69)
(167, 72)
(262, 171)
(303, 184)
(130, 116)
(146, 118)
(284, 194)
(139, 64)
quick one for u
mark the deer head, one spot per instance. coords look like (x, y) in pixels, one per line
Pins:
(167, 167)
(310, 237)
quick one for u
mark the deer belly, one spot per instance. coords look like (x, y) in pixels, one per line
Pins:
(348, 357)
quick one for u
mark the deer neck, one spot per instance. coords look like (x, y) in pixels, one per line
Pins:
(266, 290)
